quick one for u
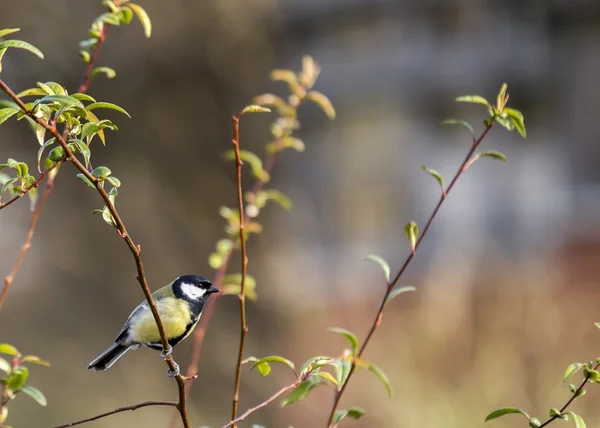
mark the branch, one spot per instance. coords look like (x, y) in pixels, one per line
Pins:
(242, 295)
(263, 404)
(35, 184)
(119, 410)
(568, 403)
(410, 257)
(135, 249)
(83, 87)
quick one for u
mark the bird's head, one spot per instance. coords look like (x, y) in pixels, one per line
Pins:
(193, 287)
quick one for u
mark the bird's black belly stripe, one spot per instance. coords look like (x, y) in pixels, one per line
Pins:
(175, 340)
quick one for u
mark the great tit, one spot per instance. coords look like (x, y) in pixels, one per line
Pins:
(179, 305)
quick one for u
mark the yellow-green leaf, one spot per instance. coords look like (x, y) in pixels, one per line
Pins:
(398, 291)
(7, 349)
(506, 411)
(381, 262)
(322, 101)
(350, 337)
(255, 109)
(143, 17)
(20, 44)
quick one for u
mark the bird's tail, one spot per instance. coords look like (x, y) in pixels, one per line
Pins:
(107, 358)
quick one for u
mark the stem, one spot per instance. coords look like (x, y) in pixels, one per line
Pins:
(119, 410)
(263, 404)
(35, 216)
(568, 403)
(410, 257)
(120, 226)
(242, 295)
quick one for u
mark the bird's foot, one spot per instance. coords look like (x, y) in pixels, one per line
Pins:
(173, 373)
(166, 352)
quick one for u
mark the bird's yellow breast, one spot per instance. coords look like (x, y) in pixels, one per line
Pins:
(175, 315)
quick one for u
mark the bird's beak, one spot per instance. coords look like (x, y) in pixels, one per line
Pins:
(213, 289)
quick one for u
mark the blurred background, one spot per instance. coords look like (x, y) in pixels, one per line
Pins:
(507, 280)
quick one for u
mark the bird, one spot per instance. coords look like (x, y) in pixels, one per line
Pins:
(179, 305)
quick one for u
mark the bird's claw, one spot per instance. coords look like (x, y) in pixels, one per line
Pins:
(174, 373)
(166, 352)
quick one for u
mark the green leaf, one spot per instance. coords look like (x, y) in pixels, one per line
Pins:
(101, 172)
(143, 17)
(459, 123)
(571, 370)
(7, 31)
(22, 169)
(84, 97)
(46, 89)
(263, 368)
(19, 44)
(534, 423)
(380, 374)
(579, 423)
(56, 153)
(350, 337)
(35, 360)
(56, 88)
(381, 262)
(354, 413)
(301, 391)
(107, 71)
(114, 181)
(32, 92)
(517, 119)
(85, 56)
(505, 411)
(125, 15)
(326, 376)
(18, 378)
(111, 18)
(255, 109)
(274, 359)
(107, 105)
(66, 102)
(83, 149)
(7, 349)
(253, 160)
(309, 364)
(435, 175)
(322, 101)
(35, 393)
(41, 152)
(489, 153)
(232, 284)
(476, 99)
(342, 370)
(285, 143)
(5, 366)
(411, 230)
(7, 113)
(398, 291)
(9, 104)
(86, 180)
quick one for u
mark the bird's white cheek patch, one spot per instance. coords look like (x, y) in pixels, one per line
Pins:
(191, 291)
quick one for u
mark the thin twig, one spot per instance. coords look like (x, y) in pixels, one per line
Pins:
(242, 295)
(209, 308)
(35, 216)
(393, 283)
(35, 184)
(568, 403)
(119, 410)
(87, 74)
(263, 404)
(135, 249)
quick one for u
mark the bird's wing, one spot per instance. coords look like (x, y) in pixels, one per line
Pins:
(140, 308)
